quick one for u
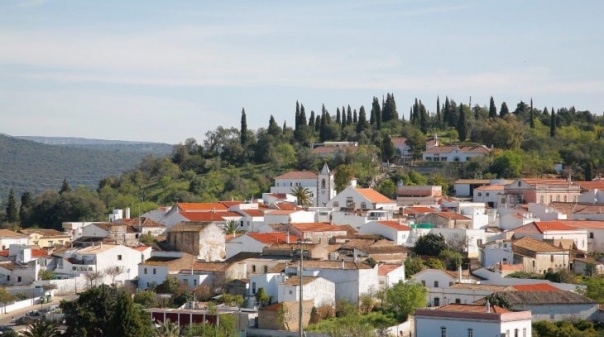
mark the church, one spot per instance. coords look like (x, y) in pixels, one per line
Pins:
(320, 185)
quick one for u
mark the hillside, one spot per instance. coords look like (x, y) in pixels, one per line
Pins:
(30, 166)
(155, 149)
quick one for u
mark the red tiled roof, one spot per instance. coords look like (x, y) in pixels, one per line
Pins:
(583, 224)
(490, 188)
(374, 196)
(535, 287)
(418, 210)
(543, 226)
(472, 308)
(197, 207)
(209, 216)
(230, 204)
(309, 175)
(462, 149)
(318, 227)
(384, 269)
(591, 185)
(279, 212)
(252, 212)
(34, 253)
(273, 237)
(452, 216)
(288, 206)
(398, 140)
(545, 181)
(395, 225)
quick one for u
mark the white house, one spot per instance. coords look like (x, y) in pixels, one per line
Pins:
(100, 258)
(499, 251)
(363, 199)
(252, 218)
(390, 274)
(437, 279)
(455, 153)
(161, 264)
(468, 239)
(8, 238)
(391, 230)
(552, 230)
(273, 216)
(490, 195)
(321, 186)
(513, 220)
(255, 242)
(319, 290)
(21, 264)
(269, 282)
(472, 321)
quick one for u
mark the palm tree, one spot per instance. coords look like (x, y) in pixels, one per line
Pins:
(41, 328)
(231, 228)
(168, 329)
(302, 194)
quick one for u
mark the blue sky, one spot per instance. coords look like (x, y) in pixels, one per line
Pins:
(165, 71)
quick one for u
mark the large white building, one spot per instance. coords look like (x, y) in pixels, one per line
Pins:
(456, 320)
(362, 199)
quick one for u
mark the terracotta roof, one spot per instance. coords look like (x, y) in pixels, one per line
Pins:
(209, 216)
(300, 175)
(141, 248)
(490, 188)
(583, 224)
(484, 287)
(395, 225)
(474, 181)
(5, 233)
(545, 181)
(189, 226)
(535, 287)
(472, 308)
(37, 253)
(591, 185)
(318, 227)
(463, 149)
(418, 210)
(335, 265)
(385, 269)
(272, 237)
(333, 149)
(287, 206)
(230, 204)
(7, 265)
(533, 245)
(197, 207)
(279, 212)
(374, 196)
(452, 216)
(543, 297)
(43, 231)
(252, 212)
(398, 140)
(543, 226)
(295, 280)
(174, 264)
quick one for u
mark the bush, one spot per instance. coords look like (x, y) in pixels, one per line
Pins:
(326, 311)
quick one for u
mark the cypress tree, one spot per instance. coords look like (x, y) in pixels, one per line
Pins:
(437, 110)
(492, 108)
(297, 118)
(318, 123)
(355, 118)
(504, 110)
(552, 124)
(588, 171)
(338, 117)
(349, 119)
(64, 187)
(423, 118)
(545, 112)
(532, 116)
(243, 132)
(462, 127)
(26, 203)
(362, 124)
(12, 215)
(447, 112)
(273, 128)
(377, 112)
(284, 126)
(302, 116)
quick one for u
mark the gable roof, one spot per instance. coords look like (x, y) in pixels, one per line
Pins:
(300, 175)
(189, 226)
(385, 269)
(398, 140)
(318, 227)
(200, 207)
(209, 216)
(252, 212)
(174, 264)
(533, 245)
(272, 237)
(374, 196)
(535, 287)
(394, 225)
(463, 149)
(543, 297)
(540, 227)
(490, 188)
(43, 231)
(295, 281)
(5, 233)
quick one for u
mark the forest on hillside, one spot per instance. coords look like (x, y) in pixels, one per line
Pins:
(236, 163)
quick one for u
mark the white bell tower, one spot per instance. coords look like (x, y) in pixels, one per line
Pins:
(326, 188)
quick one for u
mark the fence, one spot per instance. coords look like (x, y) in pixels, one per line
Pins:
(20, 305)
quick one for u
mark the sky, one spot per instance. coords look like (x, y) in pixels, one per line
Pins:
(165, 71)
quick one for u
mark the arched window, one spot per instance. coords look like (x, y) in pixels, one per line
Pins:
(322, 183)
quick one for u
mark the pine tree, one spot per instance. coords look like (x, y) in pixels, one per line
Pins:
(127, 320)
(462, 127)
(26, 203)
(492, 108)
(552, 124)
(64, 187)
(12, 215)
(532, 116)
(504, 110)
(243, 132)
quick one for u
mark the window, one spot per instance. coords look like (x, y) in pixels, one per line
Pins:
(591, 235)
(470, 333)
(524, 332)
(145, 271)
(50, 243)
(443, 331)
(516, 333)
(435, 284)
(323, 183)
(436, 301)
(519, 183)
(349, 202)
(363, 205)
(154, 271)
(253, 268)
(265, 269)
(253, 287)
(291, 292)
(18, 278)
(541, 199)
(565, 198)
(558, 197)
(194, 282)
(457, 301)
(336, 204)
(450, 283)
(119, 257)
(7, 277)
(487, 194)
(480, 194)
(551, 258)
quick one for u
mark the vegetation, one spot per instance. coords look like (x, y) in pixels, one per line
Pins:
(430, 244)
(41, 328)
(575, 328)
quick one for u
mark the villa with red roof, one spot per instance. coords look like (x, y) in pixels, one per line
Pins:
(472, 320)
(320, 186)
(539, 257)
(391, 230)
(541, 191)
(255, 242)
(489, 194)
(317, 232)
(390, 274)
(455, 153)
(553, 230)
(362, 199)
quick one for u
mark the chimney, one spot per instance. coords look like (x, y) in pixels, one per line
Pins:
(288, 236)
(127, 213)
(488, 307)
(460, 273)
(342, 264)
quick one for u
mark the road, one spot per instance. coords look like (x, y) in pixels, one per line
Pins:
(7, 319)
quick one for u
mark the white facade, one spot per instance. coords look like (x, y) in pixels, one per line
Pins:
(326, 187)
(436, 279)
(355, 198)
(269, 282)
(471, 238)
(320, 290)
(391, 230)
(466, 321)
(510, 221)
(8, 238)
(499, 251)
(391, 277)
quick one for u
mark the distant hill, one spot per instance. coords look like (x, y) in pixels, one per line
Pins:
(28, 165)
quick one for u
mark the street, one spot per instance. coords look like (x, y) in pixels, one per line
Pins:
(7, 319)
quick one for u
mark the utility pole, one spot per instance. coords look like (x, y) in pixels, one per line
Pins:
(300, 308)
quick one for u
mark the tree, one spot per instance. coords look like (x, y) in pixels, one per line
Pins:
(90, 314)
(387, 148)
(93, 277)
(492, 109)
(451, 259)
(302, 195)
(114, 272)
(146, 298)
(504, 110)
(413, 265)
(430, 244)
(404, 298)
(342, 176)
(26, 203)
(387, 187)
(552, 124)
(532, 116)
(507, 164)
(128, 320)
(12, 215)
(64, 187)
(462, 127)
(5, 297)
(273, 128)
(243, 131)
(45, 275)
(434, 263)
(262, 297)
(231, 228)
(41, 328)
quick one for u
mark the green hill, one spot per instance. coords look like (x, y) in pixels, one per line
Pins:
(31, 166)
